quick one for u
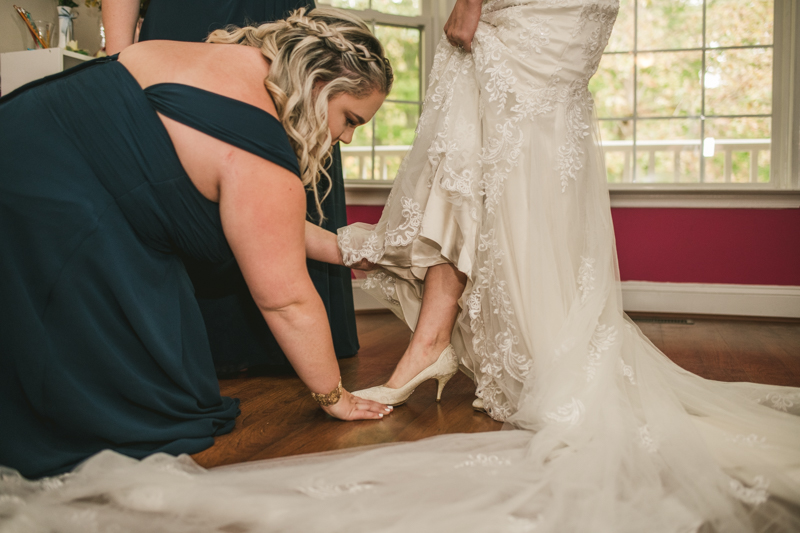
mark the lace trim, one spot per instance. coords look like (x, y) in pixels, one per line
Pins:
(371, 250)
(518, 524)
(586, 277)
(752, 440)
(323, 491)
(384, 282)
(536, 34)
(781, 401)
(403, 234)
(570, 413)
(754, 495)
(603, 338)
(484, 461)
(627, 371)
(646, 440)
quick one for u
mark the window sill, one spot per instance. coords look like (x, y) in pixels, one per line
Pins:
(686, 197)
(693, 197)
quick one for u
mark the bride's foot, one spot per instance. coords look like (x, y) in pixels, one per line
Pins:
(417, 358)
(441, 370)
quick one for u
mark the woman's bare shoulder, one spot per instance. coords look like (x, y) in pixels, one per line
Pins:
(231, 70)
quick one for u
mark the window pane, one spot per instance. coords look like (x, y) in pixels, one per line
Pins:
(348, 4)
(737, 150)
(668, 151)
(739, 82)
(394, 133)
(612, 86)
(409, 8)
(357, 156)
(402, 48)
(670, 24)
(621, 39)
(617, 137)
(737, 23)
(669, 83)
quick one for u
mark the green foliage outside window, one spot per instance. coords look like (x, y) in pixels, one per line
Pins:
(679, 87)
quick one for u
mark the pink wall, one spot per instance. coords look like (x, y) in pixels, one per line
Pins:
(743, 246)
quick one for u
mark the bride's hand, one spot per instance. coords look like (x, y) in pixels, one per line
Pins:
(462, 24)
(351, 407)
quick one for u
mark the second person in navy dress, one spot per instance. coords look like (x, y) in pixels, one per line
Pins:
(238, 335)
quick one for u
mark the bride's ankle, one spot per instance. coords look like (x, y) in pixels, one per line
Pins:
(427, 343)
(426, 352)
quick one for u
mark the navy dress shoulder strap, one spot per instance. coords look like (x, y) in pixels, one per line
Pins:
(232, 121)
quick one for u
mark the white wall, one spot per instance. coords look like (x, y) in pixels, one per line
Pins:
(14, 35)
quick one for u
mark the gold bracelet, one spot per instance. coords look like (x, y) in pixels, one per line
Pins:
(331, 398)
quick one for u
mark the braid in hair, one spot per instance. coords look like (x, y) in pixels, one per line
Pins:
(325, 45)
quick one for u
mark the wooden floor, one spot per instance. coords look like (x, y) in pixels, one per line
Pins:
(279, 418)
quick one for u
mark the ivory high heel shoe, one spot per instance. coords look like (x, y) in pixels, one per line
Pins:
(442, 370)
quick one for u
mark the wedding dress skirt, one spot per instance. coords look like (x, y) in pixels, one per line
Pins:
(506, 181)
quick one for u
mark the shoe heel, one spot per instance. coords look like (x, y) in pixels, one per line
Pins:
(442, 381)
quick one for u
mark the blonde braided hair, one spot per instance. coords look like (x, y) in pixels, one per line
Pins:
(327, 46)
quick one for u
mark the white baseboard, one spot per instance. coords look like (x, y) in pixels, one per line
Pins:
(689, 298)
(712, 299)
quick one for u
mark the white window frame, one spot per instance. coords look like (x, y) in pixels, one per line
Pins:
(783, 190)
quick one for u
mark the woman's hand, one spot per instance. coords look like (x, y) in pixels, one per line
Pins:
(462, 24)
(351, 407)
(363, 265)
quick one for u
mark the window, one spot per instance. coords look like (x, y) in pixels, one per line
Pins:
(690, 92)
(379, 147)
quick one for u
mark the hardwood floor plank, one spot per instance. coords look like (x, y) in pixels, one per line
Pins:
(279, 418)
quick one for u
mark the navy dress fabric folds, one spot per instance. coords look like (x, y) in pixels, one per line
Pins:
(238, 335)
(102, 342)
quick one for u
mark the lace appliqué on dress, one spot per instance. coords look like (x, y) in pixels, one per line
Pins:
(646, 440)
(627, 371)
(323, 490)
(752, 440)
(384, 282)
(518, 524)
(484, 461)
(371, 250)
(780, 401)
(570, 413)
(403, 234)
(602, 339)
(753, 495)
(586, 277)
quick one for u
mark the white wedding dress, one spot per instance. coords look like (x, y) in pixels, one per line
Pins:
(506, 180)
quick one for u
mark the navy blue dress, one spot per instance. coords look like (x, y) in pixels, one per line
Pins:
(102, 342)
(237, 332)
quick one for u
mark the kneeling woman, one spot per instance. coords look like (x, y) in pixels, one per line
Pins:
(115, 171)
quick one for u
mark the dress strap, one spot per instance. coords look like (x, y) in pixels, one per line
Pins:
(232, 121)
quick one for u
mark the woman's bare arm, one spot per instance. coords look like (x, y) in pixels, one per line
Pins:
(262, 207)
(119, 20)
(321, 245)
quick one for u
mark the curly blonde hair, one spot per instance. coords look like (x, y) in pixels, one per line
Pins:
(325, 45)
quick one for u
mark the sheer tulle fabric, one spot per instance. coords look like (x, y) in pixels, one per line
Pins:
(506, 180)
